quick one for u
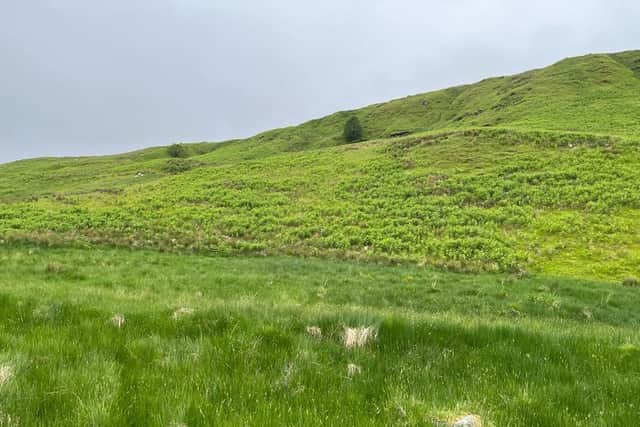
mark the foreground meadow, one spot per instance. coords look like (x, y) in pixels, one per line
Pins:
(120, 337)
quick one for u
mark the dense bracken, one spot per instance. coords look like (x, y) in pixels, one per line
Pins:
(496, 200)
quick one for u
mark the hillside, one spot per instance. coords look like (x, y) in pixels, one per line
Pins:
(543, 176)
(474, 258)
(594, 93)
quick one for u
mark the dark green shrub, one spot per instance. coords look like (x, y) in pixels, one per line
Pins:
(177, 151)
(631, 282)
(177, 165)
(352, 130)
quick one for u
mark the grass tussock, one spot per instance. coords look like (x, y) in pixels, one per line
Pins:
(6, 374)
(54, 268)
(359, 337)
(353, 370)
(182, 312)
(314, 331)
(468, 421)
(631, 282)
(118, 320)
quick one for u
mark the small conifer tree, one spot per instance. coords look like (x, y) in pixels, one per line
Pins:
(352, 130)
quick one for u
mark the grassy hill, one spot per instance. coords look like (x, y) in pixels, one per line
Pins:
(590, 94)
(594, 93)
(483, 231)
(533, 172)
(477, 200)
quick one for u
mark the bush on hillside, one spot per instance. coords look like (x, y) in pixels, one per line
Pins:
(352, 130)
(177, 166)
(177, 151)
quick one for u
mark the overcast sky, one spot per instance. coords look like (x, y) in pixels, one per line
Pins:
(84, 77)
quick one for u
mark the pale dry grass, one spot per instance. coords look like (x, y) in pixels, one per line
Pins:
(353, 370)
(359, 337)
(468, 421)
(314, 331)
(6, 374)
(287, 375)
(182, 312)
(118, 320)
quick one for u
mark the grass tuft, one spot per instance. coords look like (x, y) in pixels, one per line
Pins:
(631, 282)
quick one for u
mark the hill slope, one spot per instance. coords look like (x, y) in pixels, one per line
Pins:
(537, 171)
(593, 93)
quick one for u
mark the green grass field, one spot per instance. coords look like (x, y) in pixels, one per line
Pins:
(515, 351)
(493, 248)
